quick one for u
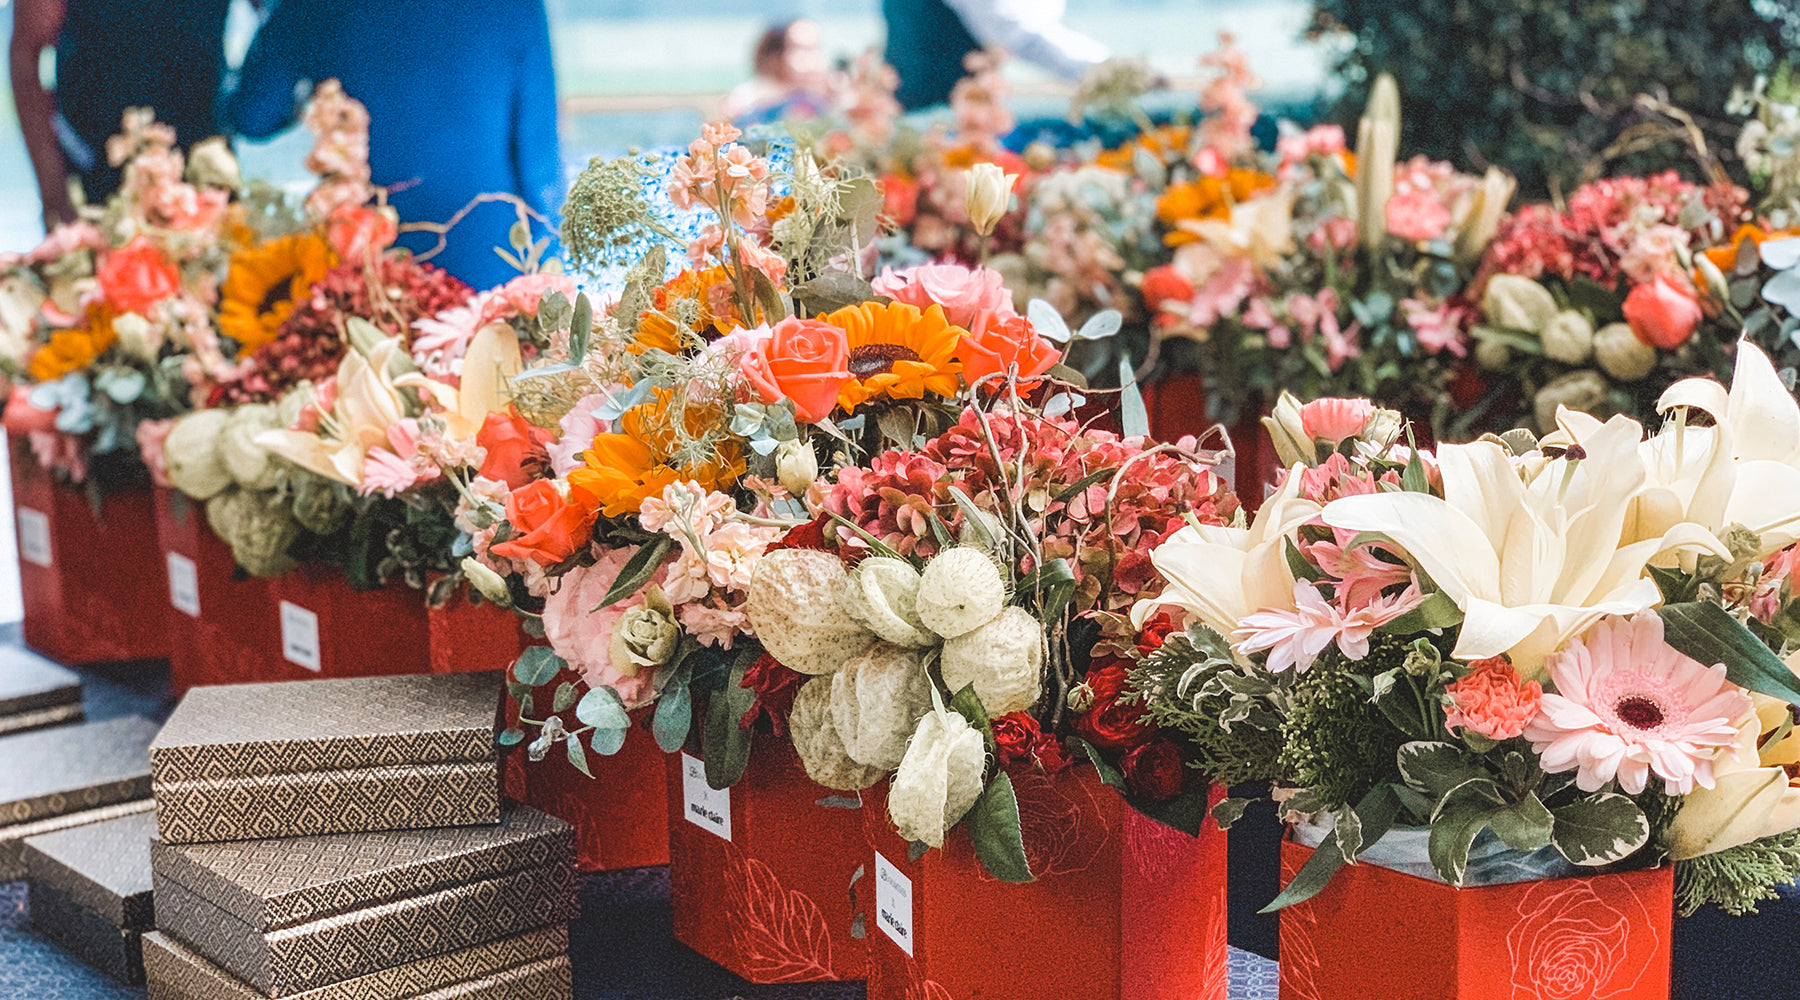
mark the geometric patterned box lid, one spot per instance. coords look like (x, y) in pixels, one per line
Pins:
(294, 727)
(28, 682)
(103, 867)
(271, 884)
(52, 772)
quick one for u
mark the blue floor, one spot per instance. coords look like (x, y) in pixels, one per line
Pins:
(621, 947)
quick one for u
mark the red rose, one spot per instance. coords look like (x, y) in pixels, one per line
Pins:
(1108, 724)
(515, 449)
(1156, 631)
(775, 687)
(1015, 734)
(1154, 770)
(136, 276)
(546, 528)
(1164, 284)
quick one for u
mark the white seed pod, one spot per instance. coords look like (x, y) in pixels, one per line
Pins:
(882, 593)
(960, 591)
(939, 778)
(251, 465)
(876, 702)
(793, 606)
(1004, 659)
(192, 453)
(1568, 338)
(816, 740)
(1621, 354)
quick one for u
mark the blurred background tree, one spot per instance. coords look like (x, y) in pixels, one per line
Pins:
(1545, 87)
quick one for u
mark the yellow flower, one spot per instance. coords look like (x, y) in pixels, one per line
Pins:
(898, 352)
(620, 470)
(265, 282)
(75, 349)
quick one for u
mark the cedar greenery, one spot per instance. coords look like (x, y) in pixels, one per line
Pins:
(1738, 878)
(1335, 741)
(1229, 720)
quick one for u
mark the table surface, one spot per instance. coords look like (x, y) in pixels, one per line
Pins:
(621, 947)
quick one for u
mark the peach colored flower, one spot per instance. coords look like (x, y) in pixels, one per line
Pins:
(803, 360)
(1662, 314)
(1493, 700)
(136, 277)
(581, 632)
(997, 343)
(1334, 419)
(968, 295)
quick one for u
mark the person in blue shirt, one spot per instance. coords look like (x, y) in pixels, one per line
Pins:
(928, 41)
(166, 55)
(461, 97)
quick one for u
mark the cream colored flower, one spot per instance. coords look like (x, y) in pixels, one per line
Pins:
(796, 466)
(960, 591)
(490, 584)
(939, 778)
(1568, 338)
(817, 742)
(249, 463)
(793, 605)
(1518, 303)
(1751, 798)
(1004, 659)
(876, 702)
(882, 593)
(648, 635)
(1620, 353)
(191, 450)
(989, 196)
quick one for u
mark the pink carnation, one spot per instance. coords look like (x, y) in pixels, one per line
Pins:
(151, 437)
(583, 636)
(968, 295)
(1417, 215)
(1334, 419)
(1493, 700)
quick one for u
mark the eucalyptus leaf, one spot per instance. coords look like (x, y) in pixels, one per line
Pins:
(1048, 323)
(578, 756)
(602, 709)
(637, 570)
(1134, 419)
(608, 741)
(1101, 325)
(511, 736)
(566, 693)
(581, 328)
(537, 666)
(674, 714)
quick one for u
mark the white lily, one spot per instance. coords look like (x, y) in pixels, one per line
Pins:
(1223, 575)
(368, 403)
(1752, 796)
(1530, 551)
(489, 363)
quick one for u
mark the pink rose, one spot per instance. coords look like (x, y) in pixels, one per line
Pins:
(1416, 215)
(524, 292)
(24, 418)
(151, 435)
(1662, 314)
(1334, 419)
(358, 233)
(804, 360)
(136, 277)
(968, 295)
(583, 636)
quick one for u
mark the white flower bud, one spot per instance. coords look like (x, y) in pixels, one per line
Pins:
(488, 583)
(211, 164)
(1004, 659)
(793, 606)
(1621, 354)
(647, 637)
(960, 591)
(816, 741)
(989, 195)
(251, 465)
(876, 702)
(137, 337)
(796, 466)
(939, 779)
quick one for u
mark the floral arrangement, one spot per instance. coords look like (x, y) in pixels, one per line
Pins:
(1490, 645)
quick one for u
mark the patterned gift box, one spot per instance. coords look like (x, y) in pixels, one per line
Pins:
(1375, 932)
(529, 966)
(254, 761)
(90, 891)
(35, 693)
(761, 874)
(1123, 907)
(90, 573)
(68, 776)
(302, 913)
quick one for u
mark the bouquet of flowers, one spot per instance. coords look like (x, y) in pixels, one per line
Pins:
(1549, 656)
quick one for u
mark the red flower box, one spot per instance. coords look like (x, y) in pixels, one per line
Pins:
(466, 636)
(224, 626)
(1123, 906)
(620, 817)
(761, 874)
(92, 580)
(1375, 932)
(1176, 406)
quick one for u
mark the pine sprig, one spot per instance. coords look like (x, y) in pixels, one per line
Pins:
(1738, 878)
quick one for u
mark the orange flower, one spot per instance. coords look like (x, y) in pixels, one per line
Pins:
(803, 360)
(709, 289)
(265, 282)
(547, 528)
(1168, 144)
(136, 277)
(75, 349)
(1206, 198)
(620, 470)
(1002, 343)
(898, 352)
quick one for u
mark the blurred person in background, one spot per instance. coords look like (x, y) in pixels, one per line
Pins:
(791, 80)
(462, 102)
(167, 55)
(927, 41)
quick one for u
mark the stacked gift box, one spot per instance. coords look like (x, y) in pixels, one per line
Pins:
(90, 891)
(35, 693)
(345, 839)
(68, 776)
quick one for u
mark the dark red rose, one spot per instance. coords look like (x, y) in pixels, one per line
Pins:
(1108, 724)
(1156, 631)
(1016, 734)
(810, 535)
(775, 687)
(1154, 770)
(1050, 754)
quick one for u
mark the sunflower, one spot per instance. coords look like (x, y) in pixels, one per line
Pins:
(898, 352)
(264, 284)
(1206, 198)
(620, 470)
(75, 349)
(712, 312)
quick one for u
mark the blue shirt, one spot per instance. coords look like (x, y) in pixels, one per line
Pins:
(926, 45)
(461, 97)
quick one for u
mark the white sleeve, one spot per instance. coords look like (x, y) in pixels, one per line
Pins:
(1033, 31)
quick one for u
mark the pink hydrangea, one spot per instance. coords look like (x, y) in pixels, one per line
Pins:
(1492, 700)
(1417, 215)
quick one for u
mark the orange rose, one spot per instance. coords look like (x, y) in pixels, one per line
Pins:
(358, 233)
(137, 276)
(1002, 343)
(547, 529)
(804, 360)
(1661, 314)
(515, 448)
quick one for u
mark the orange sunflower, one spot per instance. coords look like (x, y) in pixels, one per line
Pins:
(898, 352)
(709, 288)
(621, 470)
(264, 283)
(75, 349)
(1168, 144)
(1206, 198)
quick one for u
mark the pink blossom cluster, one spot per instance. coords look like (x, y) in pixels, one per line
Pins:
(440, 340)
(1307, 317)
(1426, 194)
(721, 174)
(152, 187)
(340, 152)
(710, 575)
(1225, 132)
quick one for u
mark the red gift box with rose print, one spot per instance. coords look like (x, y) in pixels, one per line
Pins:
(1375, 932)
(620, 815)
(91, 574)
(1124, 907)
(762, 874)
(223, 625)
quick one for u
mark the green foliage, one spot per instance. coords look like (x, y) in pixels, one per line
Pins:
(606, 212)
(1230, 721)
(1543, 87)
(1738, 878)
(1335, 741)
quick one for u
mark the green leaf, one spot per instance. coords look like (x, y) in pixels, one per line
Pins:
(637, 570)
(537, 666)
(578, 756)
(602, 709)
(581, 328)
(1676, 587)
(1375, 816)
(1134, 420)
(876, 545)
(725, 743)
(608, 741)
(512, 736)
(1413, 478)
(1453, 832)
(1523, 826)
(1229, 811)
(1084, 482)
(1435, 768)
(566, 693)
(1709, 633)
(994, 827)
(1109, 775)
(1437, 611)
(1058, 583)
(1297, 563)
(1599, 829)
(968, 705)
(831, 291)
(674, 713)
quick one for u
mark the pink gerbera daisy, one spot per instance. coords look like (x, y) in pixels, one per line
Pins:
(1627, 704)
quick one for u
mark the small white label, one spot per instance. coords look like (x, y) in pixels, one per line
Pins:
(893, 903)
(299, 635)
(34, 537)
(708, 808)
(184, 585)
